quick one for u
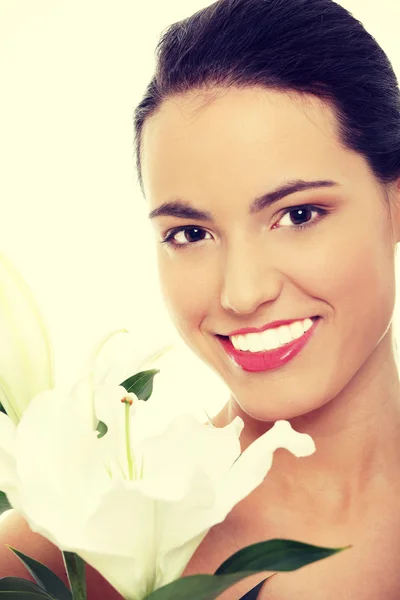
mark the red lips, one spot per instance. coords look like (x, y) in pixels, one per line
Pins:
(269, 359)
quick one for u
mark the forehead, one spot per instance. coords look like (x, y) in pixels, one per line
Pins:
(236, 139)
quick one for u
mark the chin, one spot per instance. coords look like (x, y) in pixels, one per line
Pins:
(260, 410)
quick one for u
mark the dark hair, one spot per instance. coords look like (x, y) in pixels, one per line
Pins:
(303, 46)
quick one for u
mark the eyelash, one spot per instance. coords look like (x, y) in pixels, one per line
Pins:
(168, 239)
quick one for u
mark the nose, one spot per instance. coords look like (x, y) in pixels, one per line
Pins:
(249, 279)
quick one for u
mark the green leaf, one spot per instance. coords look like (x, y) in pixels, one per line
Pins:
(16, 584)
(141, 384)
(4, 503)
(253, 593)
(2, 409)
(15, 595)
(275, 555)
(44, 577)
(101, 428)
(272, 555)
(197, 587)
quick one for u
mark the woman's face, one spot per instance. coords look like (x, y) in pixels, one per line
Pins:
(242, 269)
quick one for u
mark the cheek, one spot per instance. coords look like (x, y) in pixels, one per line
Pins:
(186, 292)
(356, 278)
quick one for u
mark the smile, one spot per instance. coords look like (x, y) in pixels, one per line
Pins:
(269, 349)
(271, 338)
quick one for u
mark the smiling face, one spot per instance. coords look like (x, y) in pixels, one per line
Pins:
(246, 268)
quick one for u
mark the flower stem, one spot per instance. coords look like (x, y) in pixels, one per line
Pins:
(75, 568)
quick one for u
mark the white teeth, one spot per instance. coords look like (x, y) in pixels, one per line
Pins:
(253, 343)
(296, 330)
(307, 323)
(244, 342)
(284, 335)
(271, 338)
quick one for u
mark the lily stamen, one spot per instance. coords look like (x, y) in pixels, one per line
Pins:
(129, 455)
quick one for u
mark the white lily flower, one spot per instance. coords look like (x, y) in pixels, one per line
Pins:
(26, 354)
(136, 503)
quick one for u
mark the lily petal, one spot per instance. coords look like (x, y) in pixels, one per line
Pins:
(53, 446)
(26, 353)
(254, 463)
(9, 481)
(134, 517)
(142, 535)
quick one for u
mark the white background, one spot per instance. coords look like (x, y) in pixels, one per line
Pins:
(73, 219)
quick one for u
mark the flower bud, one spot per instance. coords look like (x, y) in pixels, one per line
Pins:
(26, 353)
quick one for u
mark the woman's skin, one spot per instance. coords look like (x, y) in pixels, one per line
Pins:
(250, 269)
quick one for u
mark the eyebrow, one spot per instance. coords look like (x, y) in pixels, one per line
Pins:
(183, 210)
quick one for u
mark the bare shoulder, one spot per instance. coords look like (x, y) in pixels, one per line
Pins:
(15, 531)
(367, 570)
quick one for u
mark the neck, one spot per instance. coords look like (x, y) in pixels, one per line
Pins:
(357, 443)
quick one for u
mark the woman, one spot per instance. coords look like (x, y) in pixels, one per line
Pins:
(268, 150)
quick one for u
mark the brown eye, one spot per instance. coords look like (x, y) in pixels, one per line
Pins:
(193, 234)
(302, 216)
(189, 236)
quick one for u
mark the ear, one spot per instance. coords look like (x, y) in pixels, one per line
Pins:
(393, 198)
